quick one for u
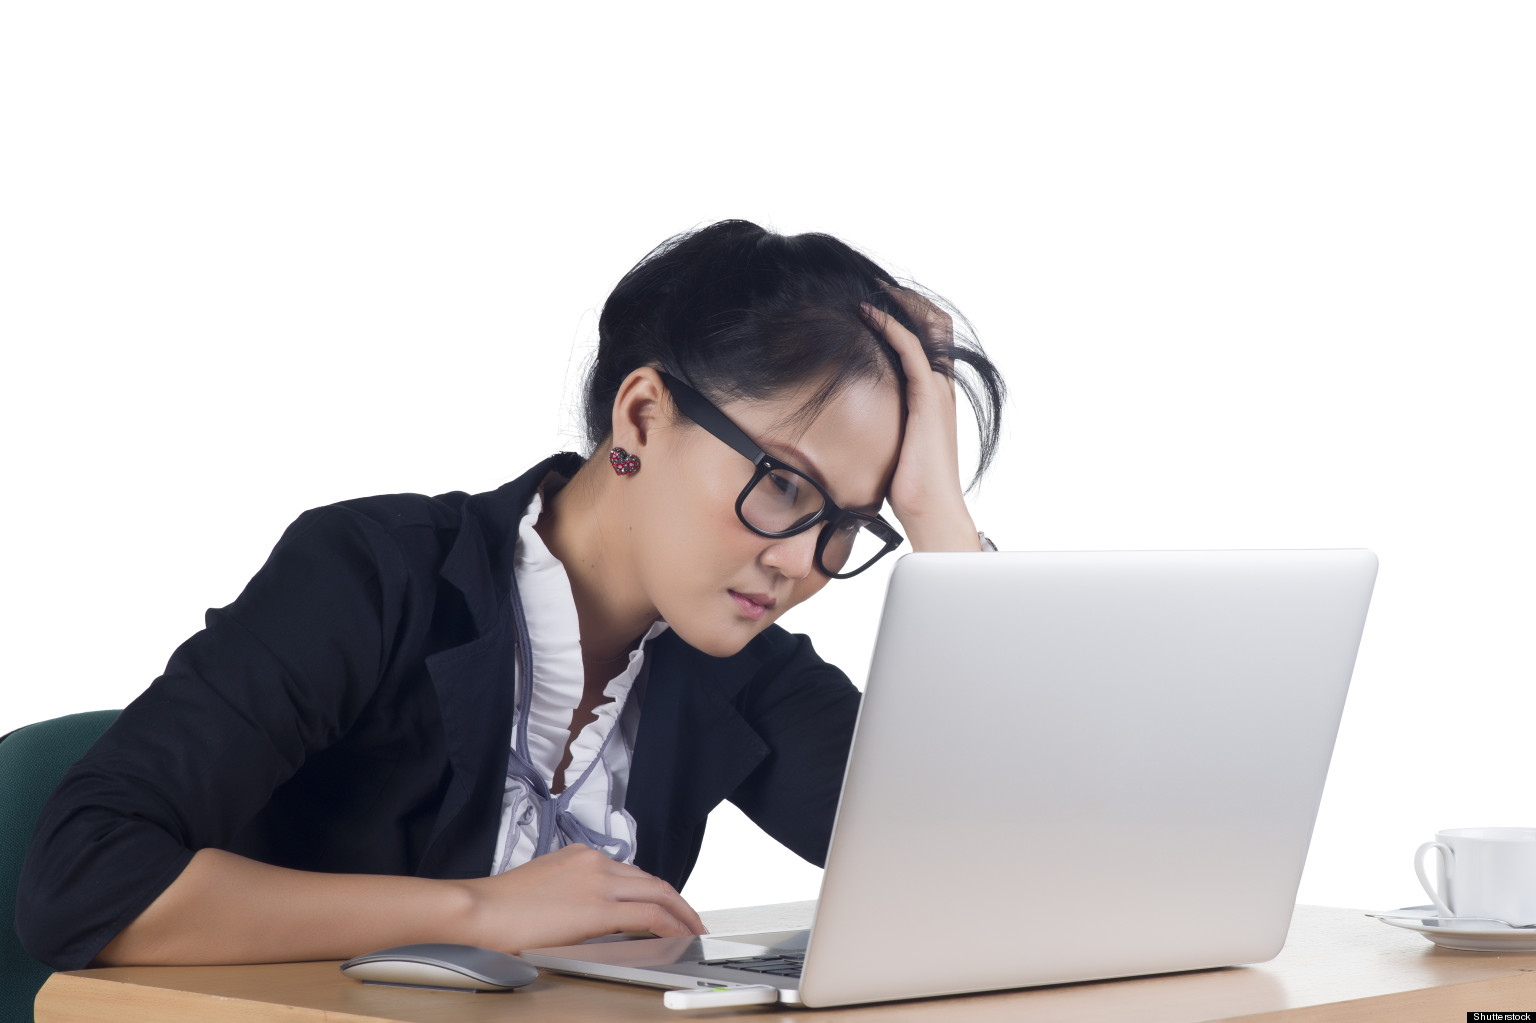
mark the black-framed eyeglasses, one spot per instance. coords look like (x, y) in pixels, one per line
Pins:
(780, 500)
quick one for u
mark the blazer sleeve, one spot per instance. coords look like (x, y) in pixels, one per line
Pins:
(276, 675)
(804, 709)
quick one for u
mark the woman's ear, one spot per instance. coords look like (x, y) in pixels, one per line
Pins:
(641, 404)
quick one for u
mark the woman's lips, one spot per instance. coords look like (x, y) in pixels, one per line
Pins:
(753, 605)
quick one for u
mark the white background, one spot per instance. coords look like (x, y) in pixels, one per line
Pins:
(1258, 275)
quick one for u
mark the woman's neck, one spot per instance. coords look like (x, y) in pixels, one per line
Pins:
(576, 525)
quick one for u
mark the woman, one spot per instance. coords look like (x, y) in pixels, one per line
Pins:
(502, 719)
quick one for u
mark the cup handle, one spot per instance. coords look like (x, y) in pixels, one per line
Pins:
(1418, 868)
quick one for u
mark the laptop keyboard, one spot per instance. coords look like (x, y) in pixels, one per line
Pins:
(787, 964)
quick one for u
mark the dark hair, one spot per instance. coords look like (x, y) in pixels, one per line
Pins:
(741, 312)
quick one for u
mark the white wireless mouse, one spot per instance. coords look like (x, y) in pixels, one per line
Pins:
(437, 965)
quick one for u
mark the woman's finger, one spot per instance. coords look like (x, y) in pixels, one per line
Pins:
(662, 895)
(624, 882)
(935, 322)
(935, 325)
(646, 916)
(914, 361)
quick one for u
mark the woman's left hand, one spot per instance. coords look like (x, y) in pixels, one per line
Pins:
(925, 490)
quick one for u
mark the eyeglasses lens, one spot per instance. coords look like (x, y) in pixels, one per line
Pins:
(850, 547)
(783, 500)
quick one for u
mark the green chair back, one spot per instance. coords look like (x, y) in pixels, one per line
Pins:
(32, 760)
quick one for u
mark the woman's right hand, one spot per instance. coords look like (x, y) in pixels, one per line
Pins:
(570, 895)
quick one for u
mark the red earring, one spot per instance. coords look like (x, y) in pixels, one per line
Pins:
(624, 463)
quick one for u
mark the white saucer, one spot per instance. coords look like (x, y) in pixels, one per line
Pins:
(1468, 935)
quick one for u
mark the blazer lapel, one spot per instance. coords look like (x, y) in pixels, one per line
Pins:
(693, 749)
(474, 684)
(475, 681)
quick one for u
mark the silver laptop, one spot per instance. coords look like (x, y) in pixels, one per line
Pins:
(1067, 767)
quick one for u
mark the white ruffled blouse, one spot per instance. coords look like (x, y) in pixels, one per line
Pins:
(554, 635)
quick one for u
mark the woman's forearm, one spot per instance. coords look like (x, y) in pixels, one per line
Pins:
(225, 908)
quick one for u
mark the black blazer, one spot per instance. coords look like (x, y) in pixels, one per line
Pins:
(351, 712)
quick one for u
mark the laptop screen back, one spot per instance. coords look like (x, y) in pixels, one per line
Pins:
(1071, 766)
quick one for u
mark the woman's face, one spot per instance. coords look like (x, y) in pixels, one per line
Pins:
(714, 581)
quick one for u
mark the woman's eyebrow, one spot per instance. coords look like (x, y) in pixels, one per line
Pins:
(798, 459)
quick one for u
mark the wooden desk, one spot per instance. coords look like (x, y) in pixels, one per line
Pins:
(1337, 965)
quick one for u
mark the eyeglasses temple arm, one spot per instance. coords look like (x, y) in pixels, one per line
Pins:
(694, 405)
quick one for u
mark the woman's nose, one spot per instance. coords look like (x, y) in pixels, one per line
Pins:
(792, 556)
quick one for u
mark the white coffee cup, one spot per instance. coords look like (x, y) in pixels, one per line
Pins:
(1484, 872)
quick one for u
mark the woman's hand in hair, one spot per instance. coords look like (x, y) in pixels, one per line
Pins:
(925, 490)
(570, 895)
